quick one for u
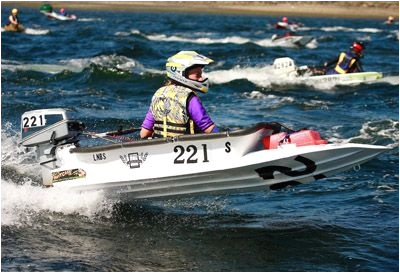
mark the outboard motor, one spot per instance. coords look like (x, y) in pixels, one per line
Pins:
(284, 66)
(47, 129)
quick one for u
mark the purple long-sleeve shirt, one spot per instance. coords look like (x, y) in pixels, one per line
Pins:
(196, 112)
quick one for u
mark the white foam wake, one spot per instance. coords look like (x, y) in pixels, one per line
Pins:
(20, 204)
(21, 201)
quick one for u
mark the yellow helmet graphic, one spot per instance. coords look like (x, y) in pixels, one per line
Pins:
(178, 64)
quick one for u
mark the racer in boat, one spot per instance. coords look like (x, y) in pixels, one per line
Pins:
(175, 108)
(390, 20)
(347, 62)
(13, 20)
(285, 24)
(63, 12)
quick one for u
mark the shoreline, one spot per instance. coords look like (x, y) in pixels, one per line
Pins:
(338, 9)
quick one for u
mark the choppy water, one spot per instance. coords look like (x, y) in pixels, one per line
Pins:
(105, 68)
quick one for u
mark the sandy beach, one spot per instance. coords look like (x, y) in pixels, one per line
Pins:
(340, 9)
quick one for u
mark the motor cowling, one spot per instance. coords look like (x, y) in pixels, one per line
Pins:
(46, 130)
(48, 126)
(284, 67)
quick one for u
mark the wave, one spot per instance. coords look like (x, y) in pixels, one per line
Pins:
(32, 31)
(380, 132)
(127, 33)
(261, 76)
(174, 38)
(44, 68)
(264, 76)
(347, 29)
(90, 19)
(272, 101)
(109, 62)
(382, 129)
(267, 42)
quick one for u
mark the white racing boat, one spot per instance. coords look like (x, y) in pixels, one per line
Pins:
(55, 15)
(286, 67)
(257, 158)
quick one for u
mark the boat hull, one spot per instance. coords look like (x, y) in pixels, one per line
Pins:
(54, 15)
(202, 166)
(345, 79)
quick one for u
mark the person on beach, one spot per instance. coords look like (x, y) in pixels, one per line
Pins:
(13, 20)
(347, 62)
(175, 108)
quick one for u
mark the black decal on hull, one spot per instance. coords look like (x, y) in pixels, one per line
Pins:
(228, 147)
(319, 176)
(282, 185)
(268, 172)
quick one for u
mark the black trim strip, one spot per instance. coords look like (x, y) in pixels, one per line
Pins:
(170, 124)
(48, 161)
(319, 176)
(282, 185)
(182, 131)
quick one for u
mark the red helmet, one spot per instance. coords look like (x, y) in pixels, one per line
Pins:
(62, 10)
(357, 47)
(285, 19)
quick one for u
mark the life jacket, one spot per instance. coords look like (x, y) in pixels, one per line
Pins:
(345, 62)
(169, 109)
(15, 18)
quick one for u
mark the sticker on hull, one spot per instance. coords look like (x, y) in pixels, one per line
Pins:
(68, 175)
(268, 172)
(134, 160)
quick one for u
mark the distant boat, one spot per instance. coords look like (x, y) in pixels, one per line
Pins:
(55, 15)
(47, 10)
(291, 40)
(286, 67)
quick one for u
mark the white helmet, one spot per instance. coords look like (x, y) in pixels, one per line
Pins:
(178, 64)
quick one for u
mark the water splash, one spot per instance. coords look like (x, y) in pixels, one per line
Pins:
(22, 201)
(21, 204)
